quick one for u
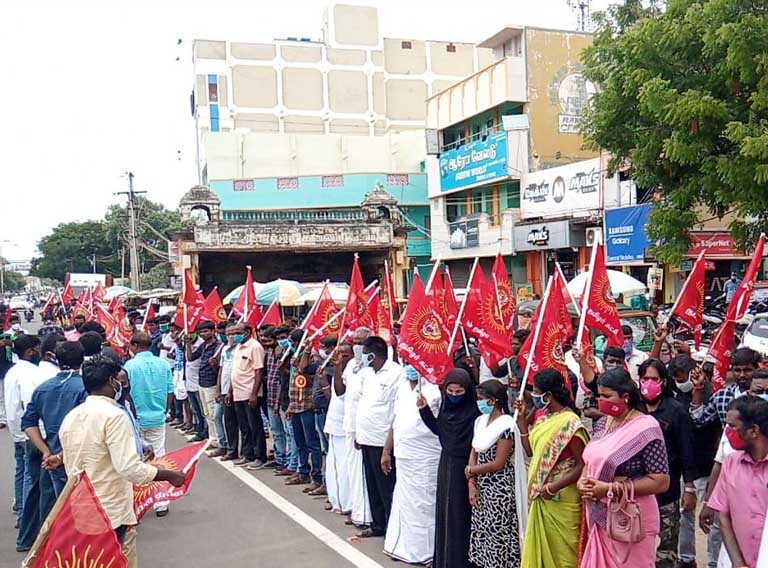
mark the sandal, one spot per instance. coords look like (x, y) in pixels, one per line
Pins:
(370, 533)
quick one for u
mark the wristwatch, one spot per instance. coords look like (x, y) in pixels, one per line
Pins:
(689, 490)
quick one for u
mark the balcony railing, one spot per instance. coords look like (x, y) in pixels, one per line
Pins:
(296, 216)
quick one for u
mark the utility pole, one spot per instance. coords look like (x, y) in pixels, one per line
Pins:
(133, 243)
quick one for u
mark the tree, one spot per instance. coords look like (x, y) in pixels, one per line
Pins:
(13, 281)
(684, 96)
(156, 277)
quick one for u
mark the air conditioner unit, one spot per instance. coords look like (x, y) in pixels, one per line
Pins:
(594, 235)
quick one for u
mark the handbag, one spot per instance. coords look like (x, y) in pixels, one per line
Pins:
(624, 522)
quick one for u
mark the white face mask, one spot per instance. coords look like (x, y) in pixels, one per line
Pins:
(323, 353)
(358, 351)
(367, 359)
(16, 327)
(687, 386)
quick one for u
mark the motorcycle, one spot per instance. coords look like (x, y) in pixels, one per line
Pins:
(29, 315)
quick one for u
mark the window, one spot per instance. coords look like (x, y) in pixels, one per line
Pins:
(406, 44)
(512, 191)
(428, 223)
(450, 48)
(213, 89)
(455, 206)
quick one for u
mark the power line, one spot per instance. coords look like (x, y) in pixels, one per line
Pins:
(133, 245)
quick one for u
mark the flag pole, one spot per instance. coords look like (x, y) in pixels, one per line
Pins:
(585, 297)
(183, 303)
(390, 293)
(463, 305)
(432, 275)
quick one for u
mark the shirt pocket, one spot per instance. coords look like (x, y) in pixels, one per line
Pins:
(243, 363)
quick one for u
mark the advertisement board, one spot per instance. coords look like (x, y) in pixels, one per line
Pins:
(482, 160)
(571, 190)
(464, 233)
(625, 237)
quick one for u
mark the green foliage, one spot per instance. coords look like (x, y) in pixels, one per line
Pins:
(13, 281)
(156, 277)
(70, 246)
(684, 96)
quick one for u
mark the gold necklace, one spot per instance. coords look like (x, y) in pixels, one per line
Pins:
(614, 426)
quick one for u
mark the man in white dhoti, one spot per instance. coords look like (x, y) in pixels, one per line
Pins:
(411, 529)
(336, 475)
(350, 386)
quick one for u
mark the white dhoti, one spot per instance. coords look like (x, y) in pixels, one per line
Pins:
(411, 529)
(358, 492)
(336, 476)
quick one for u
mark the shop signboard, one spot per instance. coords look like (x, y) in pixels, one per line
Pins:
(572, 190)
(625, 237)
(547, 236)
(464, 233)
(714, 245)
(524, 293)
(655, 278)
(482, 160)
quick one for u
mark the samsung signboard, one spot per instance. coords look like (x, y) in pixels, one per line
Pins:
(572, 190)
(482, 160)
(625, 237)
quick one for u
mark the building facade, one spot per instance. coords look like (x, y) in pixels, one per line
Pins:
(517, 117)
(304, 129)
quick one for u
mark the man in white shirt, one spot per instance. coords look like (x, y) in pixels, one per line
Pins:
(375, 412)
(349, 386)
(336, 474)
(633, 357)
(411, 529)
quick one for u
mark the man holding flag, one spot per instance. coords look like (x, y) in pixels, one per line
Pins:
(97, 438)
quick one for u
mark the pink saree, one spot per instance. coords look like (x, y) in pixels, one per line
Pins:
(602, 456)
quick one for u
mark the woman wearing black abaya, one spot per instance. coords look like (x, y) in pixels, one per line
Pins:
(455, 428)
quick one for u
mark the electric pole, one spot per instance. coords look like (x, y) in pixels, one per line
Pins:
(133, 243)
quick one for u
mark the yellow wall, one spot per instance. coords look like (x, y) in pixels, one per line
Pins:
(556, 90)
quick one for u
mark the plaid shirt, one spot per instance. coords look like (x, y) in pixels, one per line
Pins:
(715, 407)
(272, 368)
(208, 373)
(301, 398)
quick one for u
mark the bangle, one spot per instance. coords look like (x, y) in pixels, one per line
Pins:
(690, 490)
(524, 435)
(546, 489)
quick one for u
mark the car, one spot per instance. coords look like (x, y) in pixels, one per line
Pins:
(756, 335)
(19, 303)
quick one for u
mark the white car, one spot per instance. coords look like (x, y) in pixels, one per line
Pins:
(19, 303)
(756, 335)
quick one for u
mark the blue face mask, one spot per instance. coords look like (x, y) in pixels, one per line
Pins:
(539, 402)
(484, 407)
(411, 374)
(455, 398)
(240, 338)
(284, 343)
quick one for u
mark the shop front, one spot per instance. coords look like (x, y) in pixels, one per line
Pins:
(547, 242)
(723, 257)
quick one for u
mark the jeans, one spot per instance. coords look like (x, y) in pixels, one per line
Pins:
(40, 497)
(252, 429)
(292, 455)
(18, 478)
(278, 438)
(208, 404)
(155, 437)
(308, 445)
(177, 409)
(201, 426)
(221, 431)
(230, 427)
(687, 548)
(319, 427)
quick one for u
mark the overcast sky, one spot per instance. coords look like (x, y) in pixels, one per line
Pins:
(92, 90)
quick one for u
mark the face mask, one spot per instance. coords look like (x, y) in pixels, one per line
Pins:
(538, 401)
(628, 348)
(612, 407)
(118, 391)
(163, 327)
(665, 358)
(367, 359)
(686, 386)
(193, 337)
(734, 439)
(323, 353)
(650, 390)
(240, 338)
(223, 337)
(455, 398)
(411, 374)
(16, 327)
(358, 351)
(484, 407)
(284, 343)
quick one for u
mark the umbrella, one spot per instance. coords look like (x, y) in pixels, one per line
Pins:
(621, 283)
(339, 293)
(285, 292)
(115, 291)
(232, 297)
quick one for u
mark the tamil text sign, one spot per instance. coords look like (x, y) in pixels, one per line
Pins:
(482, 160)
(572, 190)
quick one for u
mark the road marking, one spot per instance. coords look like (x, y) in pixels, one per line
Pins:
(317, 529)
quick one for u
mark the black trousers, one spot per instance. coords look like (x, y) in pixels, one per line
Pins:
(380, 487)
(251, 428)
(231, 428)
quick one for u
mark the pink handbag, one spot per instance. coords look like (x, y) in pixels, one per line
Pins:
(624, 522)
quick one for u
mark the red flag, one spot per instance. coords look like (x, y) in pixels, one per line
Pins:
(481, 319)
(81, 310)
(357, 313)
(111, 328)
(506, 298)
(437, 297)
(598, 306)
(194, 315)
(544, 347)
(185, 459)
(271, 317)
(449, 300)
(246, 301)
(80, 533)
(189, 295)
(99, 292)
(383, 322)
(388, 292)
(689, 307)
(67, 295)
(322, 312)
(123, 325)
(150, 314)
(424, 337)
(721, 347)
(213, 309)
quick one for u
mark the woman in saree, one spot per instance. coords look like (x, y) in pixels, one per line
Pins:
(555, 445)
(627, 446)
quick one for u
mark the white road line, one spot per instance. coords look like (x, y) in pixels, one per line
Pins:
(316, 529)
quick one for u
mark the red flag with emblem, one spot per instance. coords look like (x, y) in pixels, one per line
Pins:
(598, 306)
(149, 314)
(482, 319)
(271, 317)
(99, 292)
(424, 337)
(322, 312)
(721, 347)
(357, 313)
(67, 295)
(383, 322)
(388, 292)
(689, 307)
(213, 309)
(185, 460)
(551, 327)
(451, 305)
(246, 301)
(123, 325)
(504, 292)
(111, 328)
(77, 533)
